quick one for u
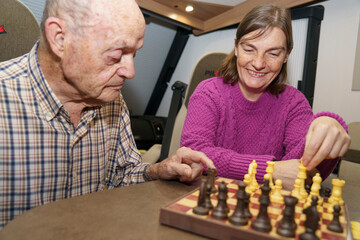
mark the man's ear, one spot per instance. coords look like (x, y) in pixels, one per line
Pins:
(55, 34)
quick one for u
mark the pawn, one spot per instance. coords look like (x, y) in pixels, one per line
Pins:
(327, 193)
(296, 191)
(247, 180)
(335, 225)
(221, 210)
(276, 196)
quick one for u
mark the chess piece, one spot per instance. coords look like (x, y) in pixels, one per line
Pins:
(312, 221)
(296, 191)
(337, 190)
(276, 196)
(315, 190)
(239, 216)
(307, 188)
(270, 170)
(267, 177)
(246, 208)
(221, 210)
(327, 193)
(247, 180)
(335, 225)
(287, 225)
(335, 200)
(211, 175)
(302, 176)
(208, 203)
(252, 172)
(200, 209)
(262, 222)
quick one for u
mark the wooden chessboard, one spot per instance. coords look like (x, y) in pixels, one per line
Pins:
(179, 214)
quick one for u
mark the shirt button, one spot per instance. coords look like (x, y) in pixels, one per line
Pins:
(75, 175)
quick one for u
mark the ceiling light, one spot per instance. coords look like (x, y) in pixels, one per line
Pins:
(189, 8)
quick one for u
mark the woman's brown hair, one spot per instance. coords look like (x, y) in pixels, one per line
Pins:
(261, 19)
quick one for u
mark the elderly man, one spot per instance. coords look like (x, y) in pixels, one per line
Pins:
(64, 125)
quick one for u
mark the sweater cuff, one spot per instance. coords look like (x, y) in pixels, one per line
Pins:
(332, 115)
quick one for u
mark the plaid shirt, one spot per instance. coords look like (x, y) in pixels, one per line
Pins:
(43, 158)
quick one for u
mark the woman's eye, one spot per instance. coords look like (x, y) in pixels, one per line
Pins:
(274, 54)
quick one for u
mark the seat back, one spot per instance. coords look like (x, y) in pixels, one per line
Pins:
(205, 68)
(350, 163)
(19, 29)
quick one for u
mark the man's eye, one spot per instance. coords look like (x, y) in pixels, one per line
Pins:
(113, 60)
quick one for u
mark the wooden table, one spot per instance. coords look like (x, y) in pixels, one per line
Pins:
(124, 213)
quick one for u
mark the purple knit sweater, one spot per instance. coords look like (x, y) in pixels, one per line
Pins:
(233, 131)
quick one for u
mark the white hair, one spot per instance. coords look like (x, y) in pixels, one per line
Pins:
(75, 13)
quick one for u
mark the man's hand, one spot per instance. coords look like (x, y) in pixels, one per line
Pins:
(325, 139)
(184, 164)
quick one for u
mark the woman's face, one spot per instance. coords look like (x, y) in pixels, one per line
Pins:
(259, 61)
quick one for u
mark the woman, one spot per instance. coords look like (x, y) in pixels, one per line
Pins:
(249, 113)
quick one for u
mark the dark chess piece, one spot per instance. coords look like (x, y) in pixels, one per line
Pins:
(239, 217)
(246, 208)
(327, 192)
(262, 222)
(208, 203)
(287, 226)
(312, 221)
(335, 225)
(211, 175)
(201, 209)
(221, 210)
(308, 188)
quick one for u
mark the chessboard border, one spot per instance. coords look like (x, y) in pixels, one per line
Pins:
(218, 229)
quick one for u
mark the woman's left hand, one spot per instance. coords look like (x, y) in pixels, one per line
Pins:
(325, 139)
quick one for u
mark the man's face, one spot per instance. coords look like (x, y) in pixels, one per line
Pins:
(97, 62)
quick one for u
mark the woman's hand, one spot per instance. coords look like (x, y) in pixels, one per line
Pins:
(325, 139)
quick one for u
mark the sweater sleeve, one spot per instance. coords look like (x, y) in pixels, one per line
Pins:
(298, 122)
(199, 133)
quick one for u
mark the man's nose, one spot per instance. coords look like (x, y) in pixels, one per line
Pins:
(127, 69)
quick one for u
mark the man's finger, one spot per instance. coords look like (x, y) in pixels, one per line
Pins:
(196, 170)
(189, 156)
